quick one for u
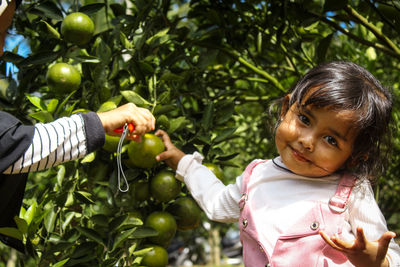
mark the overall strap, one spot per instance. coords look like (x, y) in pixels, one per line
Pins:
(338, 203)
(247, 173)
(246, 178)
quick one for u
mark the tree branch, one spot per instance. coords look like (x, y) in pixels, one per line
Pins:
(360, 40)
(375, 30)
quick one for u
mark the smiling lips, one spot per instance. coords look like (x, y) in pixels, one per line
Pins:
(297, 155)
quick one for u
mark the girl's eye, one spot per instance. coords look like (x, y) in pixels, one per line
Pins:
(304, 119)
(331, 140)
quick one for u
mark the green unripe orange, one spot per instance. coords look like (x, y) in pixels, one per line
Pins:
(63, 78)
(77, 28)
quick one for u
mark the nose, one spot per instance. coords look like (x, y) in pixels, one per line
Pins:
(307, 141)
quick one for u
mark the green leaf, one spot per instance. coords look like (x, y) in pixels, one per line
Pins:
(60, 174)
(142, 252)
(86, 59)
(103, 51)
(323, 47)
(91, 234)
(12, 232)
(39, 59)
(122, 237)
(62, 105)
(224, 135)
(143, 232)
(163, 109)
(60, 263)
(67, 220)
(21, 224)
(156, 36)
(169, 76)
(89, 158)
(50, 10)
(134, 98)
(208, 116)
(50, 219)
(37, 102)
(42, 116)
(83, 196)
(52, 32)
(125, 42)
(52, 106)
(227, 157)
(30, 213)
(117, 222)
(100, 220)
(91, 8)
(84, 249)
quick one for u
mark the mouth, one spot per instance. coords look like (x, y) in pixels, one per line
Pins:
(299, 156)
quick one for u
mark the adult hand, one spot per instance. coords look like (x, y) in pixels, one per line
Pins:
(141, 118)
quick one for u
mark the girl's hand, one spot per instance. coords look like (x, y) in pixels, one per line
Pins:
(141, 118)
(362, 252)
(172, 155)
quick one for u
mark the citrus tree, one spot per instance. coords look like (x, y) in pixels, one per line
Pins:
(208, 70)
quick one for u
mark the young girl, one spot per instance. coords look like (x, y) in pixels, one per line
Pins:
(313, 205)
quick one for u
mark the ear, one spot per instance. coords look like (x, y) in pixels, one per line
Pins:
(285, 105)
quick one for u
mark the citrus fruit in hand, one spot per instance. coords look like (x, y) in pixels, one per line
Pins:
(164, 187)
(216, 170)
(63, 78)
(157, 257)
(77, 28)
(164, 223)
(143, 154)
(186, 212)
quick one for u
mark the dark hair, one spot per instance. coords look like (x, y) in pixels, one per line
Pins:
(342, 85)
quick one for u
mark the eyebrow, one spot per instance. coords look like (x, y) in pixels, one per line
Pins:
(309, 113)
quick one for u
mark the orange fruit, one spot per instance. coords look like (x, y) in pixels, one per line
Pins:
(140, 190)
(216, 170)
(157, 257)
(164, 187)
(143, 154)
(164, 223)
(186, 212)
(111, 143)
(63, 78)
(77, 28)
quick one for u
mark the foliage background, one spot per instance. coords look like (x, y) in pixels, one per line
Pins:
(209, 70)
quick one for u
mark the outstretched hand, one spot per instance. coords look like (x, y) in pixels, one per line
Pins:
(142, 118)
(172, 155)
(362, 252)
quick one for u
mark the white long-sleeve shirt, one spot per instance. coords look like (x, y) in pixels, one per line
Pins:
(282, 196)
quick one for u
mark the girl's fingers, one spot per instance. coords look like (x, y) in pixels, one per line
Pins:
(384, 240)
(164, 155)
(341, 243)
(165, 138)
(330, 241)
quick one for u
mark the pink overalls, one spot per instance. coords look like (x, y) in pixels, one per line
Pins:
(302, 246)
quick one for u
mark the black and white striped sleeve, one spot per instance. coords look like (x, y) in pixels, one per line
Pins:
(53, 143)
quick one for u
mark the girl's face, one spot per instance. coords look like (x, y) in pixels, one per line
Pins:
(313, 141)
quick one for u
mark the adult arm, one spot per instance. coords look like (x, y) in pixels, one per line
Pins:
(63, 140)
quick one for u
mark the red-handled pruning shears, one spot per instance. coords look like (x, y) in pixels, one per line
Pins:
(131, 128)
